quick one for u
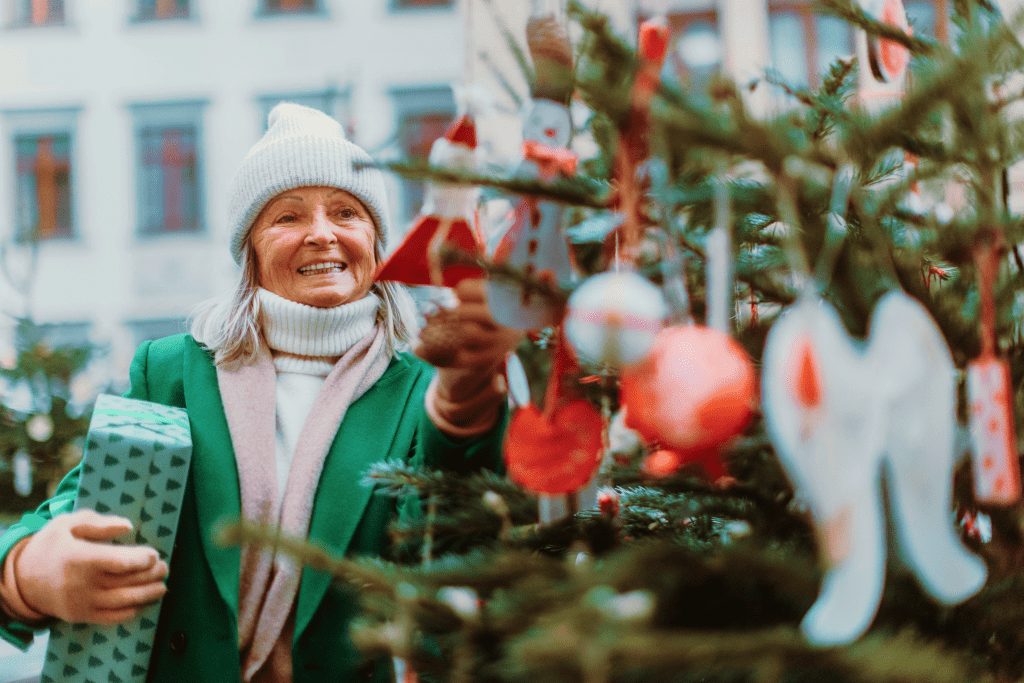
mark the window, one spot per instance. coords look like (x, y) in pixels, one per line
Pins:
(37, 12)
(289, 6)
(43, 149)
(929, 18)
(155, 328)
(155, 10)
(695, 52)
(169, 184)
(805, 44)
(66, 334)
(423, 115)
(334, 103)
(419, 4)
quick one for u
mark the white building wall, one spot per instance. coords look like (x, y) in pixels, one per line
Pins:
(102, 61)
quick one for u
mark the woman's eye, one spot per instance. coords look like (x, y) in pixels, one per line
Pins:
(286, 218)
(346, 212)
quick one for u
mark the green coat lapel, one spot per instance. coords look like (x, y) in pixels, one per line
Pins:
(368, 434)
(214, 475)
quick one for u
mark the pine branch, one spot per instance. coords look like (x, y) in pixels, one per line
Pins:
(855, 15)
(578, 190)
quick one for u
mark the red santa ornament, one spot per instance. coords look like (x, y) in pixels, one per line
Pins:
(448, 219)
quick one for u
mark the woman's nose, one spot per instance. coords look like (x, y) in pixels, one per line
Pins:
(320, 229)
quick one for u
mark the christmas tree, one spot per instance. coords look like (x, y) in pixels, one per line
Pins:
(44, 402)
(855, 257)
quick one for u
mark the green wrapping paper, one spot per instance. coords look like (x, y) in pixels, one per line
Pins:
(135, 465)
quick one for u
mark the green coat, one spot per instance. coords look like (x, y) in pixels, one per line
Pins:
(197, 635)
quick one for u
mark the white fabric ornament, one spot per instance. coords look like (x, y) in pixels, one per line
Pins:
(22, 473)
(39, 427)
(840, 414)
(613, 318)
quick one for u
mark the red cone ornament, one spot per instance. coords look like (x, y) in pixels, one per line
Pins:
(693, 392)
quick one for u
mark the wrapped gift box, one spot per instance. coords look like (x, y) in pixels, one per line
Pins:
(135, 465)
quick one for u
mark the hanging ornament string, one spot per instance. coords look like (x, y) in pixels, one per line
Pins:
(719, 260)
(634, 145)
(995, 463)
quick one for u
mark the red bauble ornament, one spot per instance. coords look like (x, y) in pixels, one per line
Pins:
(555, 455)
(662, 463)
(694, 390)
(665, 462)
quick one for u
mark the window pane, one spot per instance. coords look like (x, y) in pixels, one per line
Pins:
(38, 12)
(833, 42)
(700, 50)
(921, 15)
(423, 3)
(416, 135)
(789, 48)
(163, 9)
(289, 6)
(169, 182)
(43, 185)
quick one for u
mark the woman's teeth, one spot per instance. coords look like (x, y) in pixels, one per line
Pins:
(320, 268)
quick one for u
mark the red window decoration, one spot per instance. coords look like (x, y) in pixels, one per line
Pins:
(43, 169)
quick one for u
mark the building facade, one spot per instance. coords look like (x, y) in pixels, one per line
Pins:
(121, 124)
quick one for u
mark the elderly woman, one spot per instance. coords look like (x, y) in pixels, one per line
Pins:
(294, 384)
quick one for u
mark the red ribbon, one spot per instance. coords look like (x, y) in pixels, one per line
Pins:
(551, 160)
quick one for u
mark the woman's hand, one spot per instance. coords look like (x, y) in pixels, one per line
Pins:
(65, 571)
(466, 340)
(468, 348)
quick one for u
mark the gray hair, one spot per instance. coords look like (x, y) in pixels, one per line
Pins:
(230, 324)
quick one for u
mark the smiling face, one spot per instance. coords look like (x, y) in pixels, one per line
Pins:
(315, 246)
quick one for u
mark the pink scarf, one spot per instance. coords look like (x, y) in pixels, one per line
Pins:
(269, 583)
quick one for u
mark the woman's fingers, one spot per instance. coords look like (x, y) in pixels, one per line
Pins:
(119, 559)
(111, 617)
(89, 525)
(158, 572)
(128, 597)
(471, 291)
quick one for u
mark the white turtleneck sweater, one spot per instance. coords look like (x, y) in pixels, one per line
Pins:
(306, 342)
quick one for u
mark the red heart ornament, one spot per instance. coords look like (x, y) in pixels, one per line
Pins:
(555, 456)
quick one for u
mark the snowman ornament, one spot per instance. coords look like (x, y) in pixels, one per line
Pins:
(535, 242)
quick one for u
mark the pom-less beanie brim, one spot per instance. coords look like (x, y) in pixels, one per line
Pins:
(302, 147)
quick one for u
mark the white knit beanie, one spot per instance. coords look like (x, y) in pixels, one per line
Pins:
(302, 147)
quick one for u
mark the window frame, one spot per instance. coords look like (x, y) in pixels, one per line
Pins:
(139, 18)
(41, 123)
(20, 14)
(408, 102)
(338, 101)
(163, 115)
(396, 7)
(678, 22)
(145, 329)
(805, 10)
(263, 11)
